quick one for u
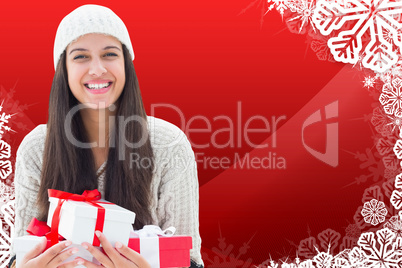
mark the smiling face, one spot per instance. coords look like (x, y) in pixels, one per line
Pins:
(95, 68)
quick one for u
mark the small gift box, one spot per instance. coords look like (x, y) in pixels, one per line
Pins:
(38, 230)
(24, 244)
(77, 217)
(160, 248)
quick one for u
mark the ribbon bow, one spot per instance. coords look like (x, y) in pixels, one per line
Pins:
(90, 197)
(149, 242)
(40, 228)
(154, 230)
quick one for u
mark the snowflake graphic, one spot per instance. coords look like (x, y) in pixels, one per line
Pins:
(385, 146)
(4, 121)
(398, 149)
(369, 17)
(396, 197)
(305, 11)
(328, 242)
(390, 174)
(357, 257)
(388, 36)
(353, 231)
(224, 255)
(370, 161)
(369, 81)
(378, 193)
(318, 43)
(394, 72)
(385, 124)
(390, 162)
(340, 262)
(398, 181)
(323, 260)
(383, 251)
(268, 264)
(321, 49)
(395, 225)
(5, 169)
(396, 122)
(391, 97)
(374, 212)
(268, 5)
(12, 114)
(296, 264)
(7, 192)
(5, 150)
(280, 5)
(6, 231)
(359, 61)
(386, 77)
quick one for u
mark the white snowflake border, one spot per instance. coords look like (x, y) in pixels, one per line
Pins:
(6, 193)
(380, 20)
(350, 23)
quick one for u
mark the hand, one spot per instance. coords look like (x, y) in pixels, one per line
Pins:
(50, 258)
(121, 257)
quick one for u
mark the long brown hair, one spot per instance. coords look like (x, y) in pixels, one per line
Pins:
(69, 168)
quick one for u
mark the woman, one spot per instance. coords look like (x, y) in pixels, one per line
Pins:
(99, 137)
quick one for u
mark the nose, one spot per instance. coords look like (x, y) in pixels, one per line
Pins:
(96, 67)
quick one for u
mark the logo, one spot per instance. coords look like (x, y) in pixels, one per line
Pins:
(331, 154)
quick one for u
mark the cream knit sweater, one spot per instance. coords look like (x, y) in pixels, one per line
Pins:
(174, 186)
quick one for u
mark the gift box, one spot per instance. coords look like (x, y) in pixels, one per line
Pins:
(24, 244)
(77, 217)
(159, 249)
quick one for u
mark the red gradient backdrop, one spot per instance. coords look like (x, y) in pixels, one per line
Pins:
(204, 57)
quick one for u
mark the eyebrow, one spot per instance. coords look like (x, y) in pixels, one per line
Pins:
(84, 49)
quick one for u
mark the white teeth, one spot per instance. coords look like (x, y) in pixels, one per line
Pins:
(98, 86)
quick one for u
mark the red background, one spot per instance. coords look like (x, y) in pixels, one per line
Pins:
(204, 57)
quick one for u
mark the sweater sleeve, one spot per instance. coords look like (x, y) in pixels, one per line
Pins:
(179, 196)
(27, 178)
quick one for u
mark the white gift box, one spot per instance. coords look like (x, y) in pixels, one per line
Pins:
(24, 244)
(78, 220)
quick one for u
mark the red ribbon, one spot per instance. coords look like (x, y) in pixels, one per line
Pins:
(89, 197)
(40, 228)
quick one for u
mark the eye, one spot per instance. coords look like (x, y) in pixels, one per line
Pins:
(79, 57)
(110, 54)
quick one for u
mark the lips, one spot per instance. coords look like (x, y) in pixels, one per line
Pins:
(98, 87)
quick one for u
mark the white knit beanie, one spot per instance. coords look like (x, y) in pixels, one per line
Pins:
(89, 19)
